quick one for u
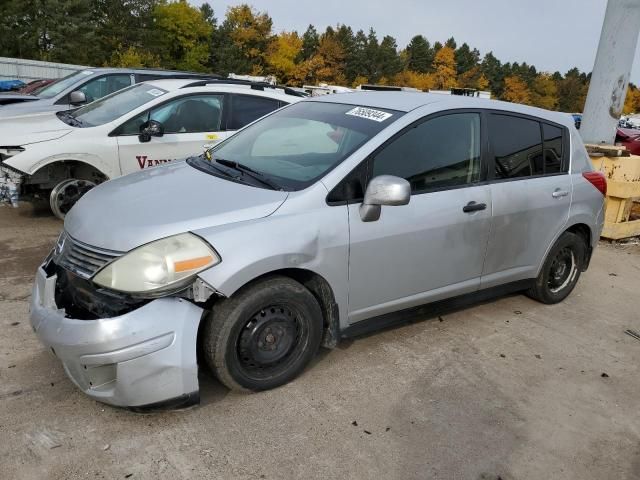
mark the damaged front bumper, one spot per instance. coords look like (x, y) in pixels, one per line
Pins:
(10, 182)
(143, 358)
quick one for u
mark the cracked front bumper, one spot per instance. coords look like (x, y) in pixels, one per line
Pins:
(144, 358)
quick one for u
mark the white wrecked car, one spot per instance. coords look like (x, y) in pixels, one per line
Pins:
(63, 155)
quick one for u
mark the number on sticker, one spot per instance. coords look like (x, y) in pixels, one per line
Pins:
(369, 114)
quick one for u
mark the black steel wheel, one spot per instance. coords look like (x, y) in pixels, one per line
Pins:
(264, 335)
(561, 270)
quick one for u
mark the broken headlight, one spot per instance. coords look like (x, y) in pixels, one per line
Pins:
(7, 152)
(158, 267)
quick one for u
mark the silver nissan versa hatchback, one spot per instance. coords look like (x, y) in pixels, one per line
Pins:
(320, 221)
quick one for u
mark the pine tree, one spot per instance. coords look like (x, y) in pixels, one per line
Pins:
(419, 55)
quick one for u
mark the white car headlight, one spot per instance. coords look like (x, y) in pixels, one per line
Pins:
(159, 266)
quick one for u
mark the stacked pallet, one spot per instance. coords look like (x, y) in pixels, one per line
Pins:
(622, 214)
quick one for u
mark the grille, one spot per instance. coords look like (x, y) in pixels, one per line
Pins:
(81, 259)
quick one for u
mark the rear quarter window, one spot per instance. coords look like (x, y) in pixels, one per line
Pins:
(247, 108)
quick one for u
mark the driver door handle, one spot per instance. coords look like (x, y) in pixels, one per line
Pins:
(559, 193)
(474, 207)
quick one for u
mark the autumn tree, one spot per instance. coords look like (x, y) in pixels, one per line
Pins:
(544, 92)
(133, 58)
(241, 43)
(282, 54)
(444, 65)
(183, 36)
(327, 65)
(572, 91)
(632, 100)
(516, 90)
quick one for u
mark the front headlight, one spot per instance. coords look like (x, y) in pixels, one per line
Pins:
(159, 266)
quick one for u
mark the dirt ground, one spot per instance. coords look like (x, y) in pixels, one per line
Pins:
(510, 389)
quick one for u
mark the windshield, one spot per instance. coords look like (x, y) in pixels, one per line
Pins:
(59, 86)
(297, 145)
(113, 106)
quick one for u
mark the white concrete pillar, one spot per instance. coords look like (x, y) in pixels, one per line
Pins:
(611, 71)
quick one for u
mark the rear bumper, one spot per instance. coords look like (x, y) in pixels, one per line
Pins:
(143, 358)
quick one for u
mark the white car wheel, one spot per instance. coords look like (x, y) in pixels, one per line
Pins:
(66, 193)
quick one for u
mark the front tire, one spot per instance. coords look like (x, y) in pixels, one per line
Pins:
(561, 270)
(66, 193)
(264, 336)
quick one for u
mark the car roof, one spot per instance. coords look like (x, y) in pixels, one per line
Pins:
(146, 71)
(173, 85)
(407, 101)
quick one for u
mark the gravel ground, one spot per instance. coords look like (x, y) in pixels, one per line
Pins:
(510, 389)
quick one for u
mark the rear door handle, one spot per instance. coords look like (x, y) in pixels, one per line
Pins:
(474, 207)
(559, 193)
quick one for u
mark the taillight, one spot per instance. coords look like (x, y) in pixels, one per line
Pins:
(598, 180)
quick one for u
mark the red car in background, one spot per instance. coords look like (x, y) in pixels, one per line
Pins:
(630, 138)
(35, 85)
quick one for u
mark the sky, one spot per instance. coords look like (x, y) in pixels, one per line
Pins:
(552, 35)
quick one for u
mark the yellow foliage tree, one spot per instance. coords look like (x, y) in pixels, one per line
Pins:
(327, 65)
(516, 90)
(473, 78)
(444, 75)
(632, 101)
(483, 82)
(185, 36)
(409, 78)
(281, 56)
(360, 80)
(133, 58)
(250, 33)
(544, 92)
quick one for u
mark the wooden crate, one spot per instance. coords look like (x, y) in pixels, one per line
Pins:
(622, 208)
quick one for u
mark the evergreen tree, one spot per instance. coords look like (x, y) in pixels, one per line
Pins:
(388, 57)
(310, 43)
(466, 59)
(419, 55)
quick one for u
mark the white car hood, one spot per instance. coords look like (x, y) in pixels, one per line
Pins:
(27, 129)
(130, 211)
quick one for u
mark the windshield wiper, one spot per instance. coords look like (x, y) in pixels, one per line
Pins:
(69, 119)
(249, 172)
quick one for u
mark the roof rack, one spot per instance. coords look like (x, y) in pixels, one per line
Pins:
(235, 81)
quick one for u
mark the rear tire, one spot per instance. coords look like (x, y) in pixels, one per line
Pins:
(264, 336)
(561, 270)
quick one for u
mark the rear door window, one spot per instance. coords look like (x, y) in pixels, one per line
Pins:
(516, 145)
(247, 108)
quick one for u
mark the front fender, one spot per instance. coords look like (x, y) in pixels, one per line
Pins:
(317, 241)
(30, 162)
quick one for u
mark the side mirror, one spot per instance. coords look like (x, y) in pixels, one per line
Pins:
(77, 97)
(149, 129)
(384, 190)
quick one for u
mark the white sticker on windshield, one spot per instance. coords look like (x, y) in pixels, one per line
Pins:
(369, 114)
(155, 92)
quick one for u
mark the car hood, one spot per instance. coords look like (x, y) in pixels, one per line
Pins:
(145, 206)
(13, 98)
(26, 129)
